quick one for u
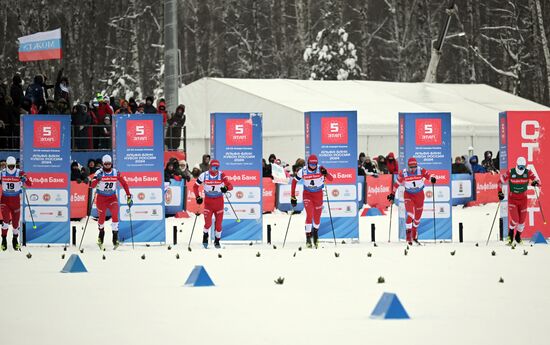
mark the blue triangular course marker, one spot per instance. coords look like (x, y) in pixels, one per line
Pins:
(74, 265)
(538, 237)
(389, 307)
(199, 277)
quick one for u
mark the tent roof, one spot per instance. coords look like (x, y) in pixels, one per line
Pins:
(473, 106)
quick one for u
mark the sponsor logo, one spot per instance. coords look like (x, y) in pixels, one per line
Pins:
(143, 179)
(335, 192)
(139, 133)
(428, 132)
(238, 132)
(486, 186)
(141, 196)
(46, 197)
(239, 195)
(429, 194)
(33, 197)
(334, 130)
(47, 134)
(75, 197)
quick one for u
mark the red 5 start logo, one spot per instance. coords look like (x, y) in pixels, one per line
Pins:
(47, 134)
(238, 132)
(139, 133)
(428, 132)
(334, 130)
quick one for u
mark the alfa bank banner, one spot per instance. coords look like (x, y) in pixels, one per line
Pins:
(427, 137)
(138, 154)
(332, 136)
(46, 158)
(523, 133)
(236, 141)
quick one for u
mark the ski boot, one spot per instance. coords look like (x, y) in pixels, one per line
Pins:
(205, 240)
(100, 239)
(4, 243)
(316, 237)
(15, 243)
(217, 243)
(518, 237)
(116, 243)
(308, 240)
(510, 237)
(417, 242)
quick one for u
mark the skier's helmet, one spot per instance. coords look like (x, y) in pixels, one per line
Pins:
(312, 162)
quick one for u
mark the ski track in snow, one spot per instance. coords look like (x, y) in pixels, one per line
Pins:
(324, 299)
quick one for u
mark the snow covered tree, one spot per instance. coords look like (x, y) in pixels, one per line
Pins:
(332, 56)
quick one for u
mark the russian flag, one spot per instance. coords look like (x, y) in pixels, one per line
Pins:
(40, 46)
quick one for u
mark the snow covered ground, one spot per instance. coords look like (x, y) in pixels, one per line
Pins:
(324, 299)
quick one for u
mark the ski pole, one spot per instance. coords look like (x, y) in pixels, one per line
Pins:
(433, 203)
(29, 206)
(235, 213)
(130, 217)
(192, 230)
(87, 219)
(288, 226)
(540, 206)
(494, 218)
(389, 232)
(330, 216)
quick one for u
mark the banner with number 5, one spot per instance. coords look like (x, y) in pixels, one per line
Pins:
(138, 154)
(46, 159)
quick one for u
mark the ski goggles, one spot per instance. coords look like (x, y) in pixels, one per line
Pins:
(521, 167)
(215, 168)
(312, 166)
(11, 167)
(108, 163)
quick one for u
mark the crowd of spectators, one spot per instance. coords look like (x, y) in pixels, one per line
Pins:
(91, 120)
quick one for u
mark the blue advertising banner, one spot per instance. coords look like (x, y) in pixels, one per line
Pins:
(45, 158)
(138, 154)
(236, 141)
(427, 137)
(332, 136)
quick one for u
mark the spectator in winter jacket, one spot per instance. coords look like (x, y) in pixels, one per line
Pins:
(162, 111)
(370, 167)
(459, 167)
(171, 173)
(174, 129)
(35, 92)
(16, 91)
(382, 168)
(61, 88)
(466, 161)
(360, 164)
(77, 174)
(113, 103)
(133, 104)
(90, 167)
(496, 161)
(50, 108)
(196, 171)
(487, 162)
(205, 165)
(266, 169)
(81, 121)
(140, 109)
(299, 164)
(184, 170)
(149, 107)
(124, 108)
(63, 107)
(391, 164)
(105, 134)
(476, 167)
(103, 108)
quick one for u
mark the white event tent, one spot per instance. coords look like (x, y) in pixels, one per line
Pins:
(474, 109)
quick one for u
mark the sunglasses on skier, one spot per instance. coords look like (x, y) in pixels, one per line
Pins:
(521, 167)
(215, 168)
